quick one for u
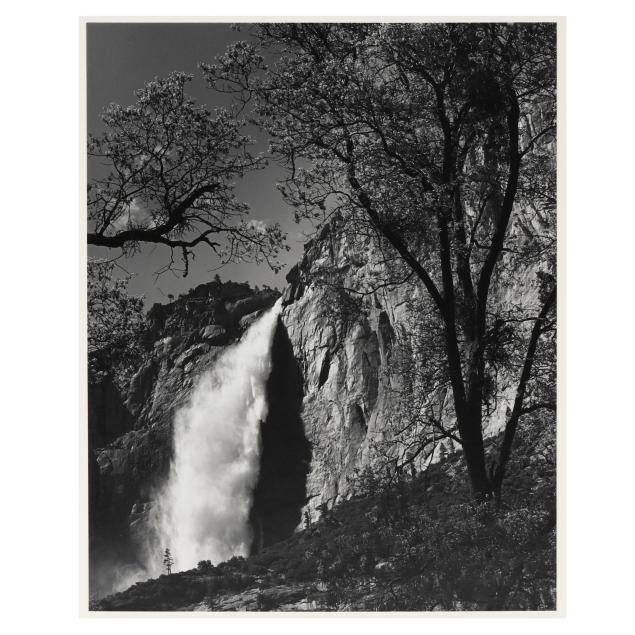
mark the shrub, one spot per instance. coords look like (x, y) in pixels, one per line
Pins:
(235, 562)
(205, 566)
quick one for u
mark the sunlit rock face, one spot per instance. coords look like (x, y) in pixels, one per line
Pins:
(350, 334)
(343, 343)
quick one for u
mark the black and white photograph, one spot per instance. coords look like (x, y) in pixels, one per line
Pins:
(322, 308)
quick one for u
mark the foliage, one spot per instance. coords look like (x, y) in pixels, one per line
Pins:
(365, 482)
(437, 140)
(205, 566)
(115, 321)
(169, 179)
(237, 563)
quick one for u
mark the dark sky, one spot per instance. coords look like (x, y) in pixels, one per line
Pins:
(120, 58)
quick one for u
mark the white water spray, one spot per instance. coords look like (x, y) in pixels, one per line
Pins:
(203, 511)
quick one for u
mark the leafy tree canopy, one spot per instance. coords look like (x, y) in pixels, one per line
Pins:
(438, 141)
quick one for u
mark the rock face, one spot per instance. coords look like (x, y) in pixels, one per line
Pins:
(344, 344)
(286, 453)
(108, 416)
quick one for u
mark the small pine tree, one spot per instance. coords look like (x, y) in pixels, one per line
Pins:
(168, 561)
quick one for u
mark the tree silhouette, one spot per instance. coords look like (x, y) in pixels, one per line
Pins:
(168, 561)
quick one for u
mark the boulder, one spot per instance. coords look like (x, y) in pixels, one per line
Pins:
(214, 334)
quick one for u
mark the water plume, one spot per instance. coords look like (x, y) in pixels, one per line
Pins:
(203, 511)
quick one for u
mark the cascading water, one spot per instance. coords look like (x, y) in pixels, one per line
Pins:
(203, 511)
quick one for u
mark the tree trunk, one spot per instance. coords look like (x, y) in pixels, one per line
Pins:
(474, 453)
(469, 418)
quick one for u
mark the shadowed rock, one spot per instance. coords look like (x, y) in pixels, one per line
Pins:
(286, 455)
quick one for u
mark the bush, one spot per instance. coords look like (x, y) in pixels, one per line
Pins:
(236, 562)
(366, 483)
(205, 566)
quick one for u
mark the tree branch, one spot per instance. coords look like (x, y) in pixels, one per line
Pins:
(518, 409)
(547, 405)
(507, 207)
(158, 234)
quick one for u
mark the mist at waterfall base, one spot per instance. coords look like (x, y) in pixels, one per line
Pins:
(202, 512)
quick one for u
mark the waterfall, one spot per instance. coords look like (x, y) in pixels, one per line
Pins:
(202, 513)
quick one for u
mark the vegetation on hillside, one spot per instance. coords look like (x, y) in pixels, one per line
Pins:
(419, 544)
